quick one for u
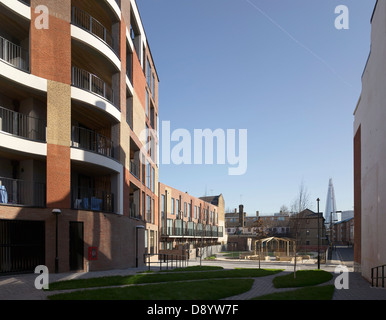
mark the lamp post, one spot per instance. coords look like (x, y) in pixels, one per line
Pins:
(318, 234)
(56, 213)
(136, 243)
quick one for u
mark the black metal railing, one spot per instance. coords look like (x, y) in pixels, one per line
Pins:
(91, 141)
(14, 55)
(21, 125)
(375, 276)
(87, 81)
(196, 231)
(22, 193)
(165, 260)
(85, 21)
(92, 199)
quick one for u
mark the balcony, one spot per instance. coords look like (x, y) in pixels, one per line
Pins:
(85, 80)
(85, 21)
(83, 198)
(22, 193)
(23, 126)
(89, 140)
(14, 55)
(191, 230)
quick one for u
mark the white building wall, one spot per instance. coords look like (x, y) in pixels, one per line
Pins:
(370, 115)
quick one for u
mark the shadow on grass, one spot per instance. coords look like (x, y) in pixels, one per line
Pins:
(195, 290)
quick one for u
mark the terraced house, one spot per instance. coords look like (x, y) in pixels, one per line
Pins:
(78, 86)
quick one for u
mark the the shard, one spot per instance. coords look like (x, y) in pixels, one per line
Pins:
(330, 211)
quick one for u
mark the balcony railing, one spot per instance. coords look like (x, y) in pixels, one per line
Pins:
(85, 21)
(196, 231)
(21, 125)
(92, 199)
(87, 81)
(14, 54)
(23, 193)
(89, 140)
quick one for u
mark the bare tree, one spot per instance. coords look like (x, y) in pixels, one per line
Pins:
(302, 200)
(300, 203)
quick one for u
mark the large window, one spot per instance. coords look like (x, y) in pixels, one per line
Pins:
(172, 206)
(185, 209)
(178, 208)
(148, 209)
(148, 74)
(148, 174)
(162, 206)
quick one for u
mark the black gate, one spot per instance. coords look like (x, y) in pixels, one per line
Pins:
(76, 245)
(22, 245)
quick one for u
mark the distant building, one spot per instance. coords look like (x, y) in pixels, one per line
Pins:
(330, 204)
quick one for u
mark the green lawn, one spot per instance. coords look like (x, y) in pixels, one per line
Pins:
(195, 290)
(303, 278)
(159, 277)
(307, 293)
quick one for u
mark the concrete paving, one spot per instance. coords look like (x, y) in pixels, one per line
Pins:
(22, 287)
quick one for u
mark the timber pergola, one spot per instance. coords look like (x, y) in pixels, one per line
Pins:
(285, 241)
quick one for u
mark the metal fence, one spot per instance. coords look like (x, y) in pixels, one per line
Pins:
(21, 125)
(22, 192)
(86, 139)
(87, 81)
(166, 261)
(92, 199)
(14, 54)
(85, 21)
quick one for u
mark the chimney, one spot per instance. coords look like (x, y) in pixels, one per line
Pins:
(241, 215)
(257, 213)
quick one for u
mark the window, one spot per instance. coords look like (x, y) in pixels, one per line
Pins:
(172, 206)
(147, 105)
(148, 174)
(146, 241)
(143, 205)
(153, 180)
(148, 74)
(162, 206)
(148, 209)
(195, 212)
(152, 211)
(190, 211)
(178, 208)
(185, 209)
(151, 241)
(153, 87)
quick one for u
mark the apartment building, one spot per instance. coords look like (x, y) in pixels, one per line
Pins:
(370, 154)
(78, 88)
(187, 222)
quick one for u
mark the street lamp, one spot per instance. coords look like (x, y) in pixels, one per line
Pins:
(56, 213)
(318, 234)
(136, 243)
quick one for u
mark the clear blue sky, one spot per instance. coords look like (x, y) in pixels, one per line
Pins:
(279, 69)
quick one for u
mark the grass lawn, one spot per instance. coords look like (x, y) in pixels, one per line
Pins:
(307, 293)
(195, 290)
(303, 278)
(159, 277)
